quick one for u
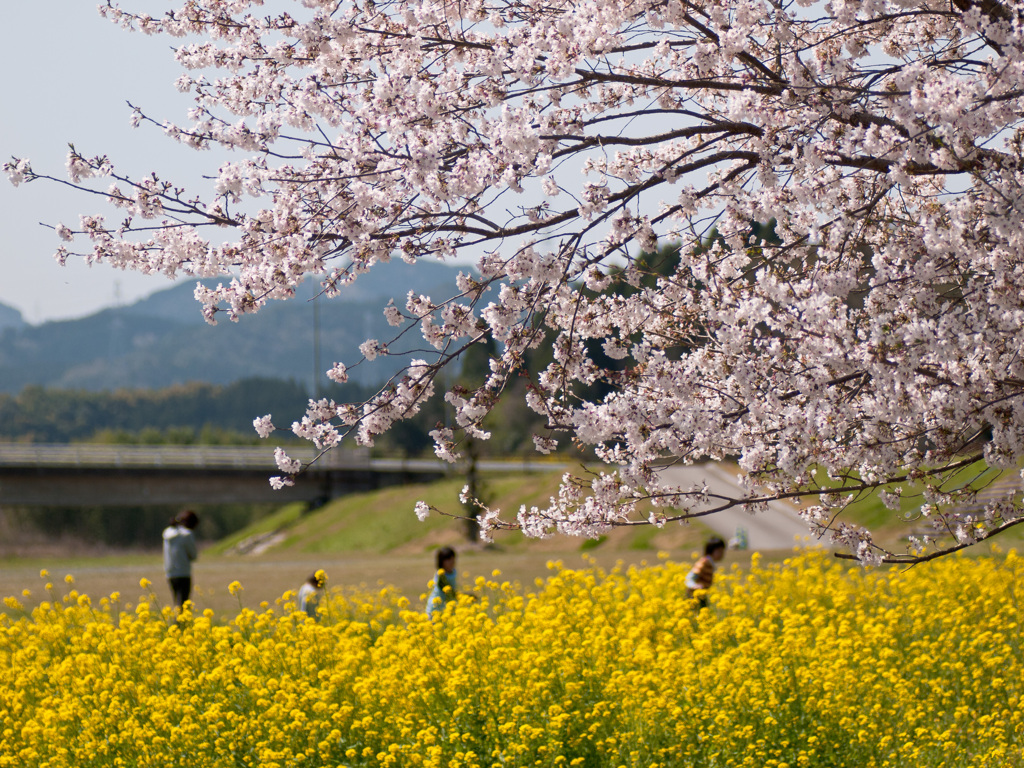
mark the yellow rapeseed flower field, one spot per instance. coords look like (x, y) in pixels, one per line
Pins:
(806, 663)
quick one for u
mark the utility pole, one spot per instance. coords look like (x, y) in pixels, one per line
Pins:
(317, 368)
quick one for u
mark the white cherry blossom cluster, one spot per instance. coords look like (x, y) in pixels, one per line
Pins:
(870, 339)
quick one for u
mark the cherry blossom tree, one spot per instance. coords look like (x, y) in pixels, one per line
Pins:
(872, 345)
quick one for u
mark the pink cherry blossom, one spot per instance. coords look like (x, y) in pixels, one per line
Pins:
(867, 333)
(263, 425)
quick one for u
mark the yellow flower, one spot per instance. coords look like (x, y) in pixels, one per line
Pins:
(69, 579)
(44, 574)
(145, 583)
(234, 587)
(792, 664)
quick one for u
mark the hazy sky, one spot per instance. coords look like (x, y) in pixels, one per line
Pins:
(68, 76)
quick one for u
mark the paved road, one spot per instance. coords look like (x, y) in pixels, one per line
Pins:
(779, 527)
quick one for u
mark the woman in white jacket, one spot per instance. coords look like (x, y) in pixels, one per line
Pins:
(309, 594)
(179, 552)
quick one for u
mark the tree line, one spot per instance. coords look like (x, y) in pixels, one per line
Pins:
(203, 413)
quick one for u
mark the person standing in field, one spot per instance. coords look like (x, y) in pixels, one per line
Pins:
(179, 552)
(309, 593)
(444, 582)
(702, 574)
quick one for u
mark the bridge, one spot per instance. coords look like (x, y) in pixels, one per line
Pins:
(93, 475)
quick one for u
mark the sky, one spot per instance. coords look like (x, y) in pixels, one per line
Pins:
(68, 76)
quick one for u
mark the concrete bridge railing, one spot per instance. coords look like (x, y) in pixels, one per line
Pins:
(256, 457)
(125, 475)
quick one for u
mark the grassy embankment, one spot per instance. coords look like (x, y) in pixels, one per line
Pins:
(891, 527)
(381, 522)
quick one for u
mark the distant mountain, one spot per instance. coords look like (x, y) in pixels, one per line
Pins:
(163, 340)
(10, 318)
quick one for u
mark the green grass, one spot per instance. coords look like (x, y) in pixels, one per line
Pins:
(382, 521)
(892, 526)
(644, 537)
(282, 519)
(378, 522)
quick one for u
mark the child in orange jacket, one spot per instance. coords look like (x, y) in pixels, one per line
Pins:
(702, 574)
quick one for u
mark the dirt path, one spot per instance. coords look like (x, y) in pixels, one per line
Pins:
(777, 528)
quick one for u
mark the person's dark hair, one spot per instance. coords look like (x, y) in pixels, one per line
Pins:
(713, 544)
(187, 518)
(443, 554)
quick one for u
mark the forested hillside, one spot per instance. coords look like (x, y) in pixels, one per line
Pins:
(185, 413)
(209, 413)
